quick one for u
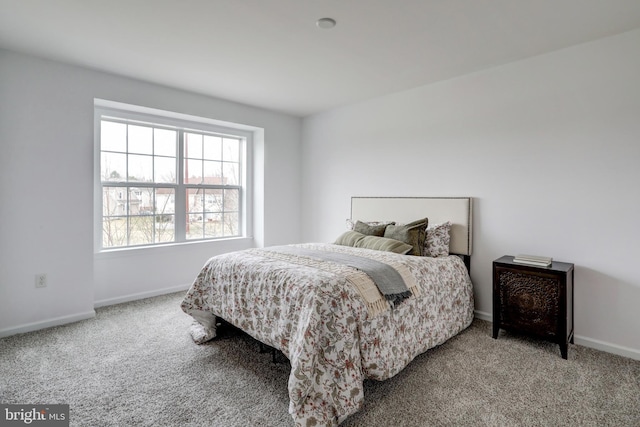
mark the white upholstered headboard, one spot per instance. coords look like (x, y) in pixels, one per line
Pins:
(458, 210)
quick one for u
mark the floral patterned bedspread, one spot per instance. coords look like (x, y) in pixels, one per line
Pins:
(321, 323)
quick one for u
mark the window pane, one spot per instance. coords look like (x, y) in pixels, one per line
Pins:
(141, 230)
(195, 215)
(213, 225)
(231, 198)
(165, 230)
(194, 200)
(113, 167)
(231, 225)
(193, 171)
(165, 142)
(231, 149)
(140, 168)
(114, 201)
(193, 145)
(231, 173)
(212, 147)
(114, 232)
(213, 200)
(145, 200)
(164, 210)
(195, 228)
(164, 169)
(165, 203)
(212, 173)
(135, 201)
(140, 140)
(113, 136)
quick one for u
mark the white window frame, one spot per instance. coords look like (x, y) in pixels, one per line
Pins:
(162, 118)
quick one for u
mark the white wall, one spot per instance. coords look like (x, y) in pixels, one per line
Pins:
(548, 147)
(46, 192)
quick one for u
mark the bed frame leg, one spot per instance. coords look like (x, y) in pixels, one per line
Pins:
(268, 349)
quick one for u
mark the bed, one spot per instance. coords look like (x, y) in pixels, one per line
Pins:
(315, 302)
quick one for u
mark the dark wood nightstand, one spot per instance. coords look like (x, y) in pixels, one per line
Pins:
(534, 300)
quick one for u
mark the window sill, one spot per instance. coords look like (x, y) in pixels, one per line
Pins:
(232, 244)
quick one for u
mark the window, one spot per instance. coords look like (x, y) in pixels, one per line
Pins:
(164, 180)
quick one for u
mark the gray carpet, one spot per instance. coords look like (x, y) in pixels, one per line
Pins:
(135, 365)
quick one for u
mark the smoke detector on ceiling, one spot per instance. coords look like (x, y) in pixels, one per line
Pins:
(326, 23)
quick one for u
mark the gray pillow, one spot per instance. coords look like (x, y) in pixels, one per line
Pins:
(350, 223)
(359, 240)
(413, 234)
(370, 230)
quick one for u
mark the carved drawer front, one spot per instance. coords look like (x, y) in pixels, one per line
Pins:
(529, 302)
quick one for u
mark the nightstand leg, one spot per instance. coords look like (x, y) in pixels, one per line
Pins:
(496, 329)
(563, 350)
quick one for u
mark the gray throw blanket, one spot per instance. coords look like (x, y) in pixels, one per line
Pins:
(386, 278)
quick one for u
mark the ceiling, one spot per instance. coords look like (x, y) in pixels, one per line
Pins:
(270, 53)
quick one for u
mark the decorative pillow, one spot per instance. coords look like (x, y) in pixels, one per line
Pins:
(349, 238)
(413, 234)
(369, 230)
(351, 224)
(437, 241)
(359, 240)
(384, 244)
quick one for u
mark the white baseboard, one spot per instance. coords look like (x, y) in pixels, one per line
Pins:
(608, 347)
(63, 320)
(139, 295)
(57, 321)
(483, 315)
(631, 353)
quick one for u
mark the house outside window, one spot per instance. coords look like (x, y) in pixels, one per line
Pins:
(166, 181)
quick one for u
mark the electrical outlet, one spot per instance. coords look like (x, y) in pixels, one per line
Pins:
(41, 280)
